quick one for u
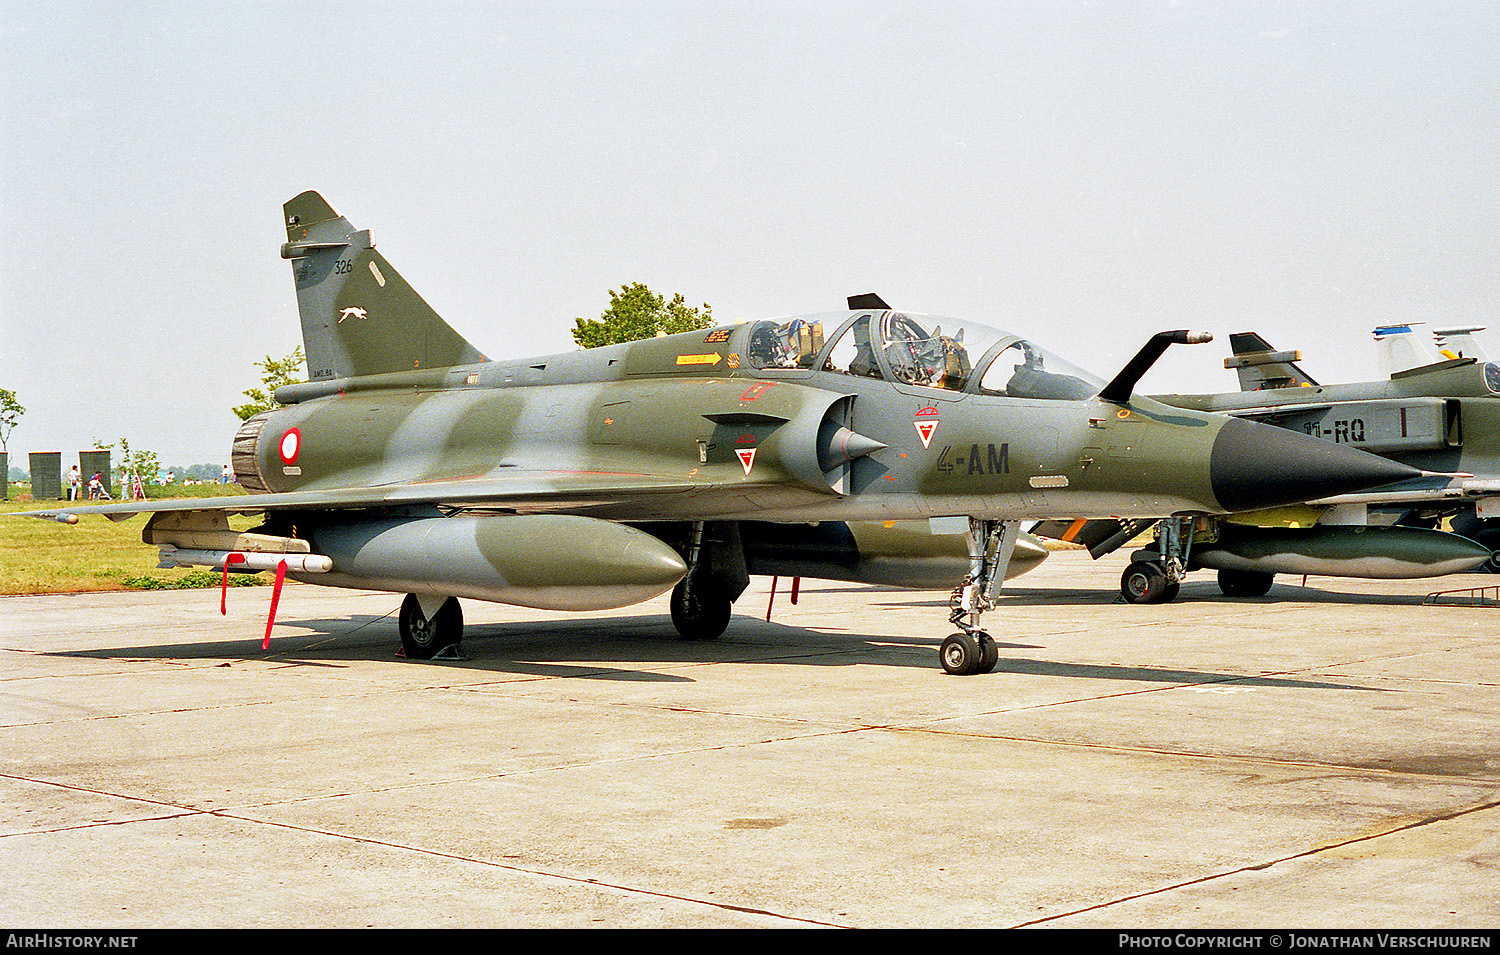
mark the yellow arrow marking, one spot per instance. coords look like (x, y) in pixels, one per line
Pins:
(710, 359)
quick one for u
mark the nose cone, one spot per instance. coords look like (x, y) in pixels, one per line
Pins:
(1255, 465)
(843, 445)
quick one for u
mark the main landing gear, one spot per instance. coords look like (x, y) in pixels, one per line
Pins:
(431, 627)
(971, 650)
(700, 608)
(703, 599)
(1156, 572)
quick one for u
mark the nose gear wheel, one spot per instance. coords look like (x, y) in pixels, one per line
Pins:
(971, 650)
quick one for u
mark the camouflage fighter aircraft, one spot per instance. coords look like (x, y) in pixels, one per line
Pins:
(1442, 418)
(603, 477)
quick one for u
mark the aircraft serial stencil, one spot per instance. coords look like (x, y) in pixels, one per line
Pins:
(603, 477)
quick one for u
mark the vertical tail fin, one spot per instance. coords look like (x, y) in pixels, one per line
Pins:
(1261, 367)
(1400, 348)
(359, 317)
(1459, 342)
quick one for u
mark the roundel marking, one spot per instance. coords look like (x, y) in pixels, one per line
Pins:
(291, 443)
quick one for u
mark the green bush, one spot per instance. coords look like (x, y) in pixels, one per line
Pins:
(193, 580)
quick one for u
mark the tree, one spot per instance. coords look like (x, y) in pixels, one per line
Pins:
(142, 464)
(10, 413)
(274, 373)
(635, 312)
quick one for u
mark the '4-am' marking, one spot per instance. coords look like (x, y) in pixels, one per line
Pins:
(994, 460)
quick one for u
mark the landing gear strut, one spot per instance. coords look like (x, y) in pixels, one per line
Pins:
(971, 650)
(1156, 573)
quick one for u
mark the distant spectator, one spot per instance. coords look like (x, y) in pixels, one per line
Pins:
(75, 482)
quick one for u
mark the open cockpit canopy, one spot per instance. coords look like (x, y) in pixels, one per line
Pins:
(921, 350)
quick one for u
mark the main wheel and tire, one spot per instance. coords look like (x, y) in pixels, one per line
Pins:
(1146, 583)
(422, 637)
(702, 611)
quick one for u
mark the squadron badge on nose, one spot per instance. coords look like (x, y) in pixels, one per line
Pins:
(926, 423)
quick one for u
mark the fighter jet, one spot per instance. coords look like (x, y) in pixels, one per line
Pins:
(599, 478)
(1442, 417)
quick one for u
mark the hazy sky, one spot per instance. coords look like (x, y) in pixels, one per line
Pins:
(1082, 173)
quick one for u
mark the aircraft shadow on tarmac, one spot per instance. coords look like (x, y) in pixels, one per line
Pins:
(1204, 592)
(524, 648)
(1086, 671)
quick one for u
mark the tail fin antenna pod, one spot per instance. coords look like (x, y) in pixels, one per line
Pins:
(359, 317)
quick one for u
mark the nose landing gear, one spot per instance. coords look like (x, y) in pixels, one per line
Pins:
(971, 650)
